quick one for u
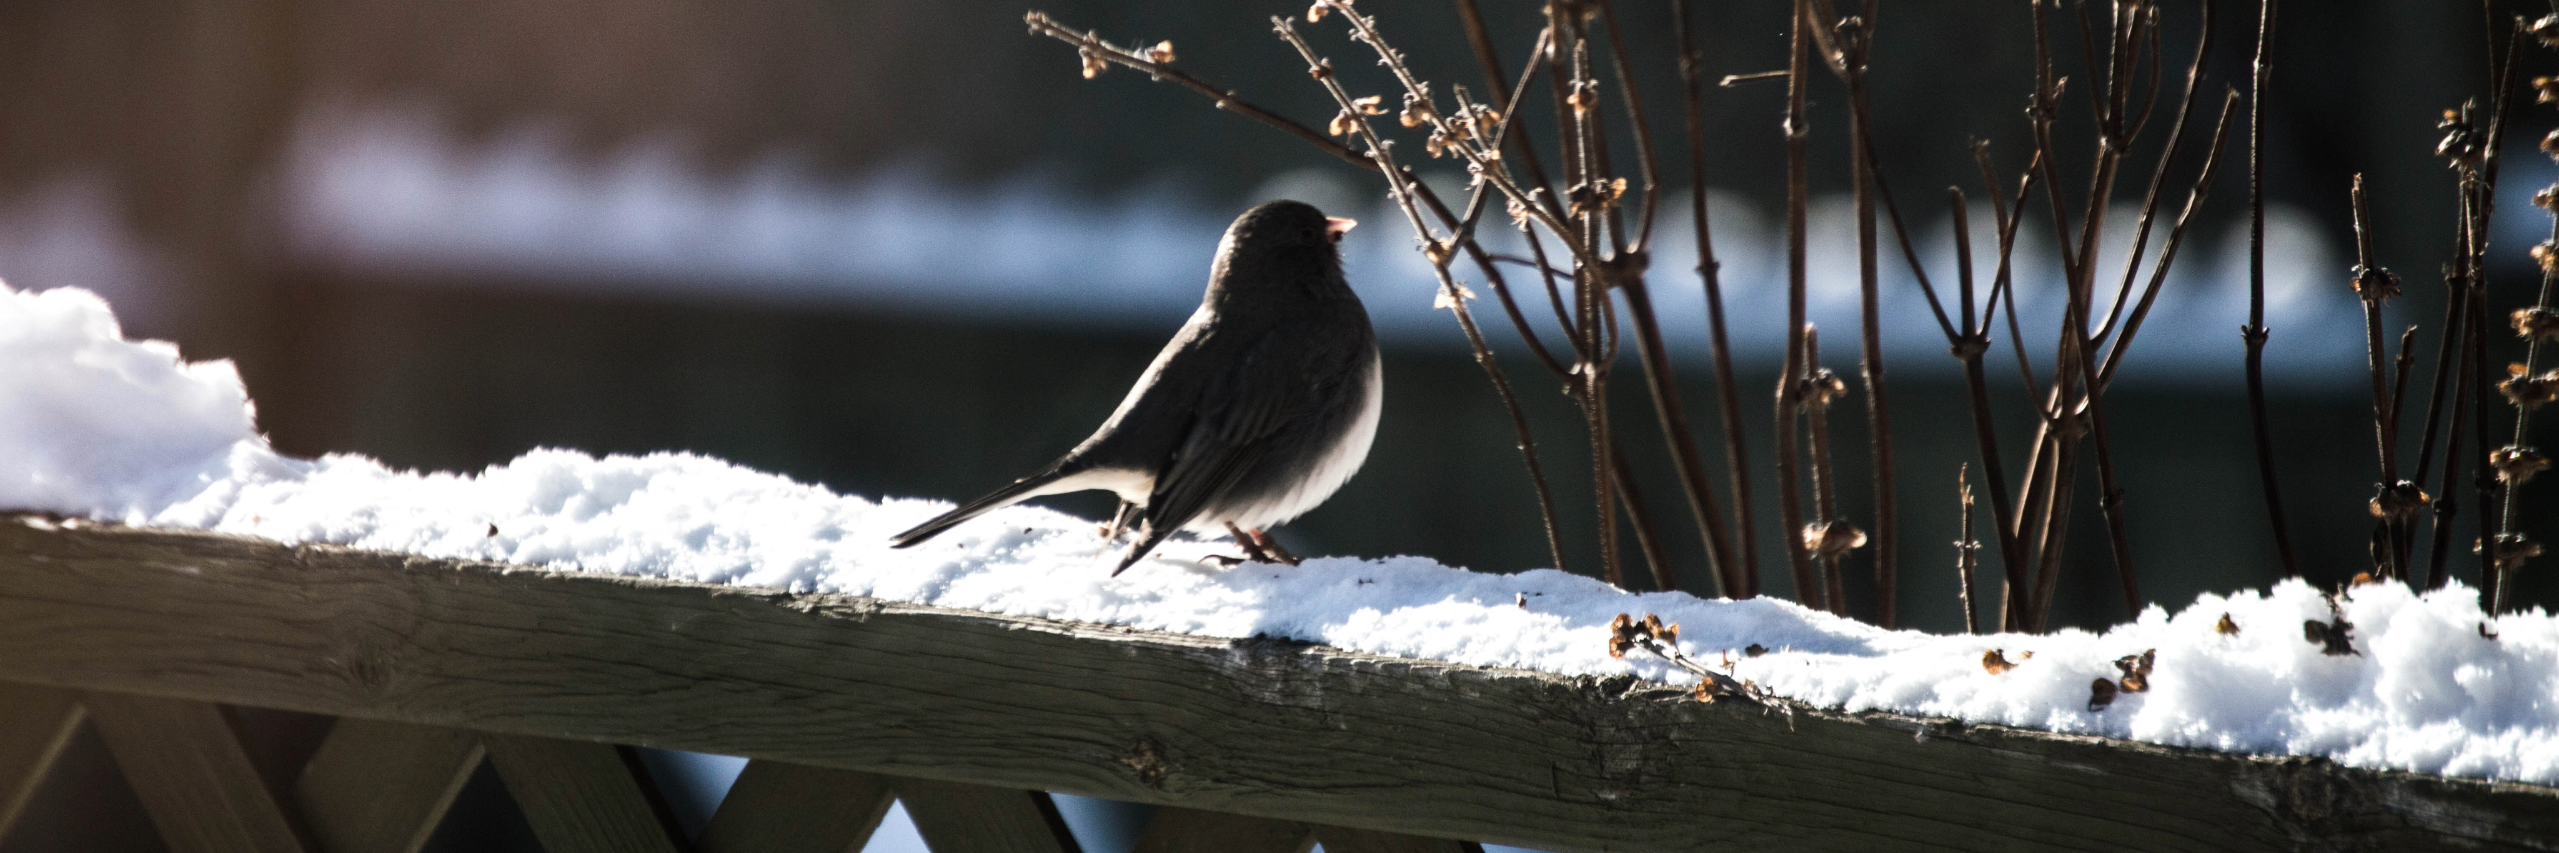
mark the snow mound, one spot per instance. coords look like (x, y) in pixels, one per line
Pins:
(98, 426)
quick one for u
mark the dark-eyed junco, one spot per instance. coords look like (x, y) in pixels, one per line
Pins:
(1256, 412)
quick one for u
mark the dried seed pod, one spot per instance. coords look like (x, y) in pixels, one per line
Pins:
(1995, 663)
(2136, 670)
(1315, 13)
(2516, 464)
(2528, 390)
(2375, 284)
(2546, 90)
(1343, 125)
(2547, 31)
(2333, 638)
(2461, 142)
(2537, 323)
(1373, 105)
(1823, 387)
(2226, 627)
(1161, 53)
(2547, 256)
(1584, 96)
(1833, 538)
(2512, 551)
(1093, 62)
(2398, 501)
(2545, 197)
(2550, 144)
(1417, 112)
(2101, 693)
(1320, 70)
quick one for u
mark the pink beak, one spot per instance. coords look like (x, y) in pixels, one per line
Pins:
(1338, 226)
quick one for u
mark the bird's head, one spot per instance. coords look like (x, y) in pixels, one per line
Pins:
(1282, 243)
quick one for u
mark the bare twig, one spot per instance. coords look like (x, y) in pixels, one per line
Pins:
(2195, 196)
(1789, 399)
(2255, 333)
(1852, 37)
(1743, 579)
(2395, 502)
(1976, 342)
(1828, 536)
(1967, 550)
(2158, 182)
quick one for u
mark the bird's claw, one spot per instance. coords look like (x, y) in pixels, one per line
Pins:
(1260, 546)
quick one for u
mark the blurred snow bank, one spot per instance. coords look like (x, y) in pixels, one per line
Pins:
(95, 425)
(391, 189)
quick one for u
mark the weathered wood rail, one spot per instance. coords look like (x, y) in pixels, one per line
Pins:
(844, 703)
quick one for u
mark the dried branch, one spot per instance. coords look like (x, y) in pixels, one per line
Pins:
(1790, 498)
(2395, 502)
(1742, 581)
(2255, 333)
(1967, 550)
(1828, 535)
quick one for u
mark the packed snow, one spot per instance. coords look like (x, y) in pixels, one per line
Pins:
(97, 426)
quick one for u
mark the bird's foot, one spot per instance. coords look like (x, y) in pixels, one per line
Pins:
(1119, 522)
(1260, 546)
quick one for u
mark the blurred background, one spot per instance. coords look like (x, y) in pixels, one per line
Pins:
(904, 249)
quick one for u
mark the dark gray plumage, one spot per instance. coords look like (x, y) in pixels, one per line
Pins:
(1254, 413)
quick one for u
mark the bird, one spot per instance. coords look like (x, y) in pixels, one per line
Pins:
(1258, 410)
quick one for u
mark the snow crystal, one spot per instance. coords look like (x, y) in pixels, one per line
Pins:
(98, 426)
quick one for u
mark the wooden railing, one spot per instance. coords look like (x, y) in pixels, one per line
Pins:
(844, 703)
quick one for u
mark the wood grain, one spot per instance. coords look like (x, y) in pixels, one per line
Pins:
(1271, 729)
(581, 797)
(776, 807)
(186, 764)
(956, 817)
(35, 723)
(382, 787)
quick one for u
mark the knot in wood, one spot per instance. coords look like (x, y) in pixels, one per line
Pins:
(1146, 761)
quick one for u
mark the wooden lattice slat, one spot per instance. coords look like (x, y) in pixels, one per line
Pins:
(1337, 839)
(1180, 830)
(186, 764)
(581, 797)
(958, 818)
(35, 723)
(793, 808)
(380, 787)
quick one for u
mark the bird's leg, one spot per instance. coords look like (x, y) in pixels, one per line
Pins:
(1271, 546)
(1252, 549)
(1119, 522)
(1259, 547)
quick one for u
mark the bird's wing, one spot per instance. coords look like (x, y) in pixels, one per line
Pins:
(1270, 387)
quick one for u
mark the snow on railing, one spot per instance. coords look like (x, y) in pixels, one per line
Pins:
(1491, 701)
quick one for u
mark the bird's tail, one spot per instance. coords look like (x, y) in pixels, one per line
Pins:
(1147, 538)
(1022, 489)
